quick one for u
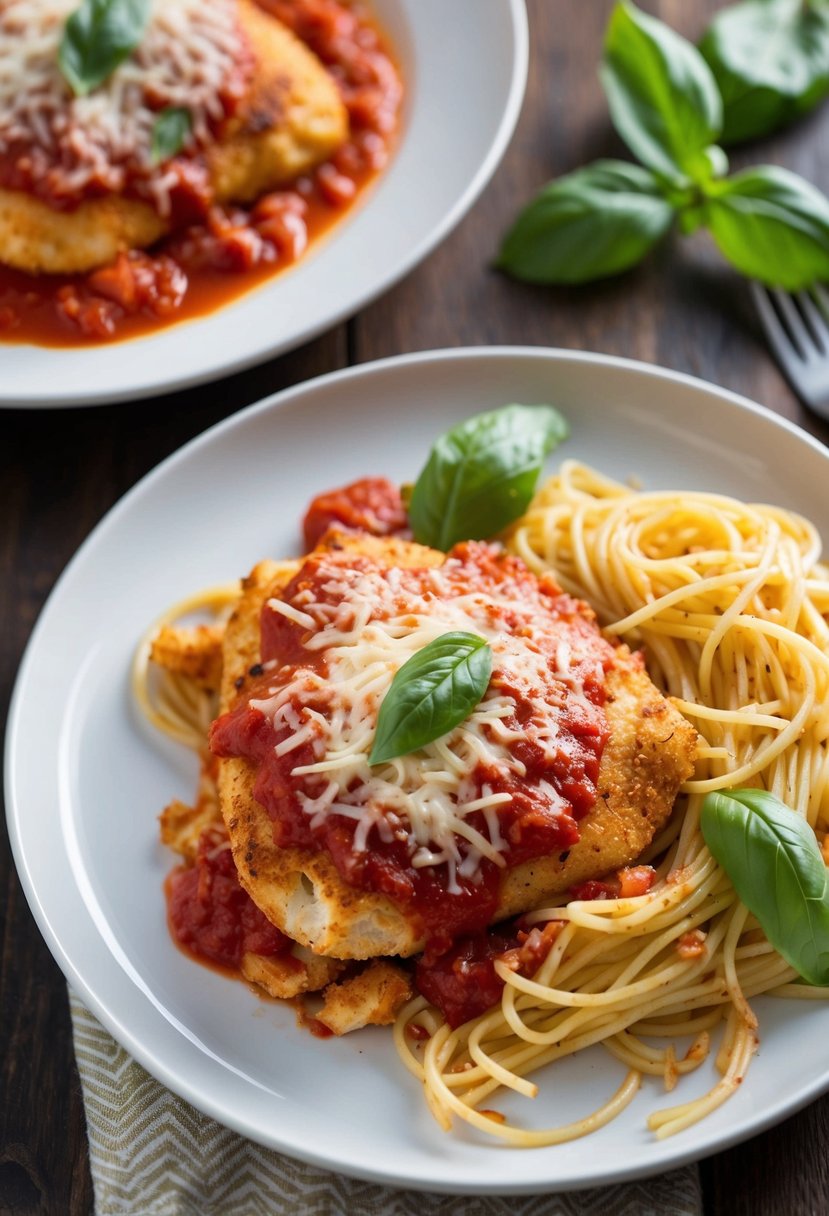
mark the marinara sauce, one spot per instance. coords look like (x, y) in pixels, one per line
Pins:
(532, 823)
(226, 251)
(372, 504)
(209, 914)
(462, 981)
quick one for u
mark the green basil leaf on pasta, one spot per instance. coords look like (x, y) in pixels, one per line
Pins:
(771, 856)
(481, 475)
(97, 37)
(770, 59)
(595, 222)
(771, 225)
(171, 130)
(431, 694)
(662, 95)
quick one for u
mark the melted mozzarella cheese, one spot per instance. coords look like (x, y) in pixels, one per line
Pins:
(367, 626)
(185, 58)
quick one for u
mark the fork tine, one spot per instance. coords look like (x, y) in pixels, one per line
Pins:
(795, 324)
(779, 339)
(797, 330)
(815, 320)
(821, 296)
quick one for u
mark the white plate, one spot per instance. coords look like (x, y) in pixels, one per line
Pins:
(465, 67)
(86, 779)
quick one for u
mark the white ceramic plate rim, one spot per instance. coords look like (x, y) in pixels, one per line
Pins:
(154, 1042)
(39, 377)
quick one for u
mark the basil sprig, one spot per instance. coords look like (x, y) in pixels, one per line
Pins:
(770, 59)
(97, 37)
(481, 475)
(431, 694)
(170, 132)
(665, 104)
(771, 856)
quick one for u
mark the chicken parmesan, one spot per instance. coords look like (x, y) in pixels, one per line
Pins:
(518, 867)
(209, 156)
(564, 770)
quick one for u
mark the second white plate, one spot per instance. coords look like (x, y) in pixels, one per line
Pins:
(464, 68)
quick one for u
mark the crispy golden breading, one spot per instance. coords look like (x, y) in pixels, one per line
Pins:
(290, 121)
(182, 825)
(372, 998)
(194, 651)
(649, 753)
(38, 239)
(287, 976)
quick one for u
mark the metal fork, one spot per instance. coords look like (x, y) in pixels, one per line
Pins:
(797, 327)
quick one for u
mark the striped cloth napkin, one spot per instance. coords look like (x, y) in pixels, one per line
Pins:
(152, 1154)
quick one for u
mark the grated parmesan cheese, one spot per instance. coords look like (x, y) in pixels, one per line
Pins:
(364, 625)
(189, 56)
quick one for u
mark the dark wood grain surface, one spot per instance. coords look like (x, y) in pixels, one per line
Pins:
(61, 470)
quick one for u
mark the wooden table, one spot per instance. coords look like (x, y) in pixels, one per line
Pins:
(63, 469)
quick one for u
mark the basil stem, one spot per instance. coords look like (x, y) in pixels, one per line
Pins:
(97, 37)
(770, 59)
(771, 856)
(170, 132)
(431, 694)
(481, 475)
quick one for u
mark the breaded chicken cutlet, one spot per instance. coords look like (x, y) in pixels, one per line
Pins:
(649, 749)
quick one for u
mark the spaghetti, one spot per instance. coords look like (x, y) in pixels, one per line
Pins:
(174, 703)
(730, 603)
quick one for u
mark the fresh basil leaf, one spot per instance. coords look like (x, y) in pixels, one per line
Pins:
(592, 223)
(170, 131)
(772, 225)
(97, 37)
(481, 475)
(771, 856)
(431, 694)
(663, 98)
(770, 59)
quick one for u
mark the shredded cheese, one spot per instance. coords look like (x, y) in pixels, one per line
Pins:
(360, 627)
(189, 57)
